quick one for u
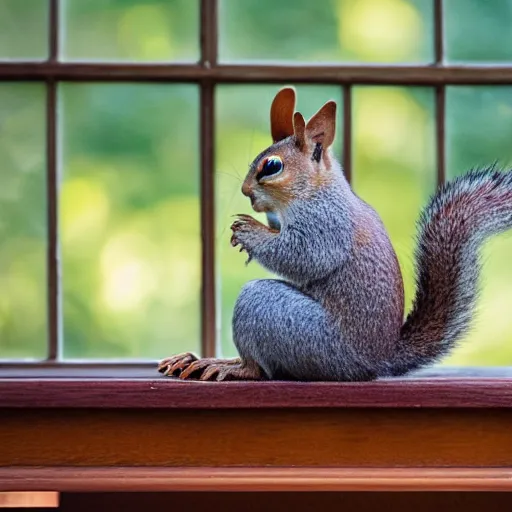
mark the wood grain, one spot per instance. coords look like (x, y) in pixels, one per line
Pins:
(71, 479)
(175, 394)
(256, 437)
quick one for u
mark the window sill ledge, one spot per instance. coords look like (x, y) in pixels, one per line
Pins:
(432, 421)
(120, 388)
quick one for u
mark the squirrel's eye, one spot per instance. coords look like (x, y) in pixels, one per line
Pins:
(273, 165)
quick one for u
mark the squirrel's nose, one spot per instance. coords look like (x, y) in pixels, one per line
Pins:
(246, 189)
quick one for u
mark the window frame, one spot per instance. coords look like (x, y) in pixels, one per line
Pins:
(207, 73)
(105, 426)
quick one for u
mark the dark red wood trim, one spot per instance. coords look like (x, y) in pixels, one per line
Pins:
(440, 102)
(347, 132)
(353, 74)
(74, 479)
(209, 37)
(438, 32)
(440, 93)
(207, 141)
(53, 32)
(175, 394)
(208, 288)
(52, 256)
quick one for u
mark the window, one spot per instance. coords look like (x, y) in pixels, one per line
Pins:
(126, 128)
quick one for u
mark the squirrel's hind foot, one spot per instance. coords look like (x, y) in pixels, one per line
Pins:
(187, 366)
(237, 371)
(175, 365)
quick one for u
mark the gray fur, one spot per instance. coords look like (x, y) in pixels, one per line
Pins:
(301, 328)
(309, 229)
(290, 335)
(338, 314)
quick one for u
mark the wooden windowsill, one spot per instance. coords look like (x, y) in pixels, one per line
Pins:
(116, 388)
(151, 433)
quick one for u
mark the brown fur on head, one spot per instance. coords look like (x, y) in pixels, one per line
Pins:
(303, 150)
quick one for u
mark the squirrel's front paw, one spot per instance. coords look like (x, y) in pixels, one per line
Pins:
(246, 233)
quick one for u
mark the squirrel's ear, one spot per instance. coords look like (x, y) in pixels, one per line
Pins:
(321, 128)
(299, 128)
(281, 114)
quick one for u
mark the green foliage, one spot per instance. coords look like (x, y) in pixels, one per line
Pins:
(130, 219)
(22, 221)
(23, 29)
(129, 160)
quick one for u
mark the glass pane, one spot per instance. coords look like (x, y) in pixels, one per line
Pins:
(23, 325)
(327, 31)
(130, 30)
(23, 29)
(478, 30)
(479, 131)
(130, 232)
(478, 127)
(243, 130)
(394, 162)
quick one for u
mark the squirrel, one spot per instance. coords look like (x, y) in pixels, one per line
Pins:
(336, 312)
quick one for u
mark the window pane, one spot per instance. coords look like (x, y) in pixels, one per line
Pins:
(23, 221)
(121, 30)
(23, 29)
(478, 30)
(338, 30)
(242, 131)
(478, 126)
(479, 131)
(394, 162)
(130, 229)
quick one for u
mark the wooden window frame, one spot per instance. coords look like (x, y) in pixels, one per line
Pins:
(440, 430)
(207, 74)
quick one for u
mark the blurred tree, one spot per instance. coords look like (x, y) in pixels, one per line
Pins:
(22, 221)
(131, 30)
(23, 29)
(130, 219)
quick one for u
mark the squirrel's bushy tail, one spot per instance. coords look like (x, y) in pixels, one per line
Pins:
(452, 228)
